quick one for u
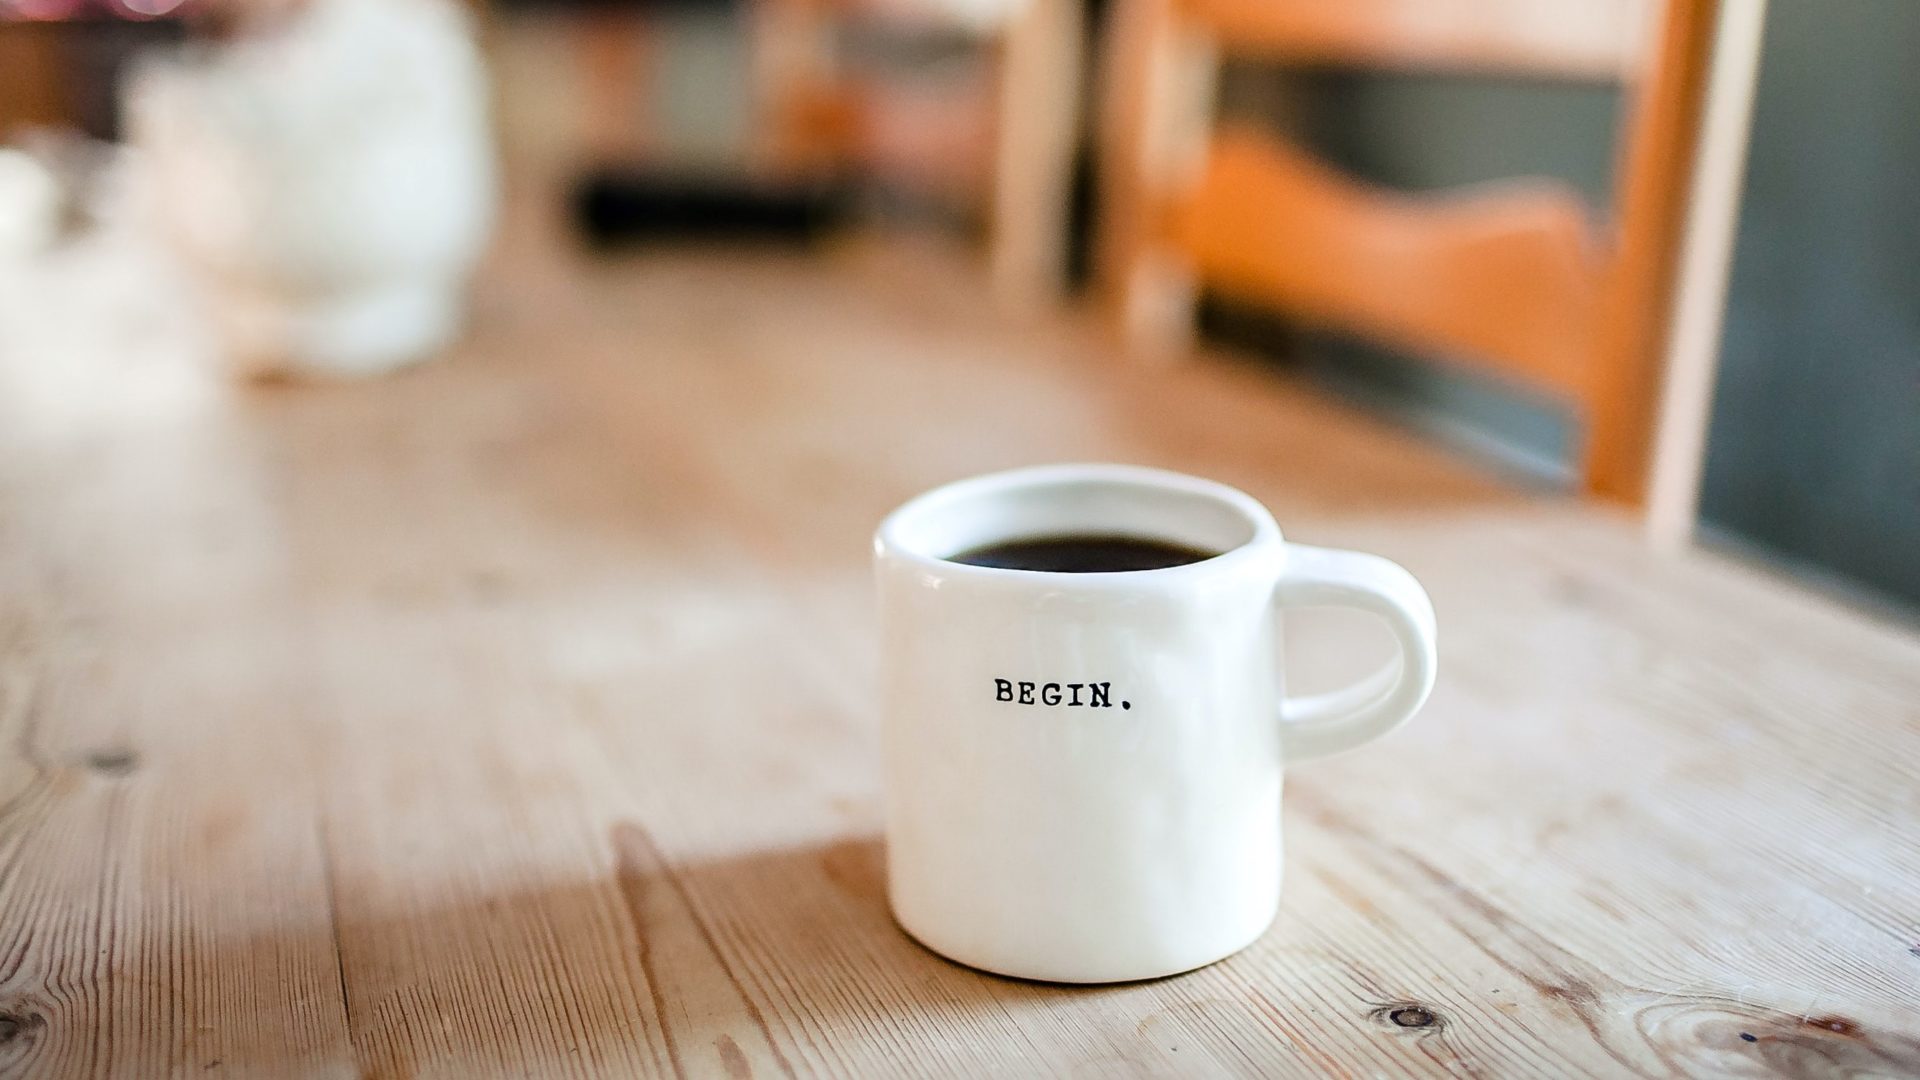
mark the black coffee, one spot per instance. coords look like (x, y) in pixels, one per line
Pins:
(1083, 554)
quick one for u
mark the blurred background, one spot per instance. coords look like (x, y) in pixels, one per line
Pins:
(324, 176)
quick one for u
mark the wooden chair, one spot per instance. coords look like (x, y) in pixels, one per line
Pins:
(821, 114)
(1518, 278)
(815, 114)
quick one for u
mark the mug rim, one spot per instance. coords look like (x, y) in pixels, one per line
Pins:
(1263, 536)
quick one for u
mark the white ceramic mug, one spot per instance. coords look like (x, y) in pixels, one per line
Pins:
(326, 180)
(1136, 833)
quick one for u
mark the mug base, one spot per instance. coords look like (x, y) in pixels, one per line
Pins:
(1058, 976)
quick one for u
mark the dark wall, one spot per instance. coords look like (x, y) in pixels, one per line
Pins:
(1815, 444)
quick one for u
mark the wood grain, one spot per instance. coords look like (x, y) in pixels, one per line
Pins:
(513, 716)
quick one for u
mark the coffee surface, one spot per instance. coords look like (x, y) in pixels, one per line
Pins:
(1083, 554)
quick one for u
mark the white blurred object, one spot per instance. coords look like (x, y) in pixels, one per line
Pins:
(328, 181)
(981, 16)
(972, 16)
(31, 204)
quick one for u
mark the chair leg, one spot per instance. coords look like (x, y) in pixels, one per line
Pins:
(1700, 287)
(1158, 84)
(1157, 313)
(1656, 166)
(614, 50)
(1037, 132)
(798, 124)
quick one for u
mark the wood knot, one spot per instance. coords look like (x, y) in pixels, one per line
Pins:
(112, 761)
(1839, 1025)
(1408, 1014)
(14, 1026)
(1574, 993)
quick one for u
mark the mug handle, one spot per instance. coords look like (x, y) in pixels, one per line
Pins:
(1320, 724)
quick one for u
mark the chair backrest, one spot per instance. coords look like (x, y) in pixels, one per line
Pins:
(1518, 277)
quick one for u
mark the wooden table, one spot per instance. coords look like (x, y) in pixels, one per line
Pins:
(514, 717)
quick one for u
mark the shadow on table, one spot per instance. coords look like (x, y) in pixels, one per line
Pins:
(787, 961)
(767, 963)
